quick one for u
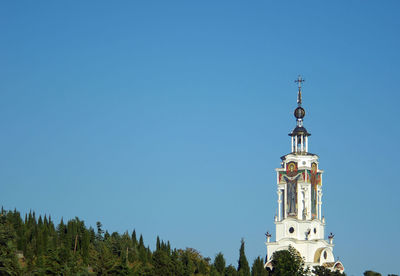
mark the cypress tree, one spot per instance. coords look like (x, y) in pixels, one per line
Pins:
(30, 218)
(162, 263)
(257, 269)
(134, 239)
(141, 243)
(142, 251)
(243, 264)
(100, 231)
(158, 245)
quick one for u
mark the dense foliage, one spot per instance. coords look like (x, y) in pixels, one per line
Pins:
(36, 246)
(323, 271)
(288, 263)
(371, 273)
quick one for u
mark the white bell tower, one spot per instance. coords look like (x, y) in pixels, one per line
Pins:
(299, 221)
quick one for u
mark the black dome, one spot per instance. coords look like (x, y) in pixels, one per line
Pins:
(299, 131)
(299, 113)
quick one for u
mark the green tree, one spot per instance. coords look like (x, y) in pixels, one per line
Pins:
(85, 242)
(120, 269)
(104, 261)
(219, 263)
(133, 237)
(8, 261)
(72, 249)
(143, 254)
(141, 269)
(189, 258)
(243, 264)
(230, 271)
(100, 231)
(257, 269)
(323, 271)
(288, 263)
(214, 272)
(162, 263)
(371, 273)
(177, 265)
(52, 264)
(203, 268)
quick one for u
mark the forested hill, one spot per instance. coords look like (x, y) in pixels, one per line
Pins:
(36, 246)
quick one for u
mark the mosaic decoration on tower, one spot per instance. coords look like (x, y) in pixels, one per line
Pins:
(306, 176)
(291, 178)
(315, 180)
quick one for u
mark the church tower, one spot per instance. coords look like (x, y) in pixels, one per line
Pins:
(299, 221)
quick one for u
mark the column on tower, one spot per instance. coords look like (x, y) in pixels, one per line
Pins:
(308, 202)
(306, 143)
(300, 200)
(283, 203)
(319, 205)
(302, 143)
(279, 205)
(292, 149)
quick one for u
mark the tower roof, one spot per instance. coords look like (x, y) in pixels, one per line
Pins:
(299, 130)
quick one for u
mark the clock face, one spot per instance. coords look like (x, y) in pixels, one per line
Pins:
(291, 230)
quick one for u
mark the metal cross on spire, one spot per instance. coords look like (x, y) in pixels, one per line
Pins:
(299, 80)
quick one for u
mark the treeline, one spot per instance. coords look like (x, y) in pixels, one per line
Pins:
(36, 246)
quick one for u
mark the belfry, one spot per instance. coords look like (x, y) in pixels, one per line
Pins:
(299, 220)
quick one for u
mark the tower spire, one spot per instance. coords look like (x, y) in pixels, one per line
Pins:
(299, 134)
(299, 81)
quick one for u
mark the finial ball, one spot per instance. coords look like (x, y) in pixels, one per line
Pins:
(299, 112)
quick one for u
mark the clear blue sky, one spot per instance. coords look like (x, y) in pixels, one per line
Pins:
(170, 117)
